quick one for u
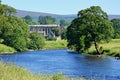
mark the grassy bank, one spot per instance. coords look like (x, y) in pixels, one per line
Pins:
(59, 44)
(6, 49)
(112, 48)
(11, 72)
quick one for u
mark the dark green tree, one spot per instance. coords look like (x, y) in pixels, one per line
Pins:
(56, 31)
(90, 27)
(63, 22)
(36, 41)
(63, 34)
(15, 33)
(42, 20)
(116, 26)
(46, 20)
(28, 19)
(13, 30)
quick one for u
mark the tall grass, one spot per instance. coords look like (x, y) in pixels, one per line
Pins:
(12, 72)
(6, 49)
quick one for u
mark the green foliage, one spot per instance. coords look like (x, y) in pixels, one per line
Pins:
(63, 22)
(6, 10)
(50, 38)
(36, 41)
(13, 30)
(56, 31)
(29, 21)
(46, 20)
(6, 49)
(63, 34)
(116, 26)
(91, 26)
(58, 76)
(15, 33)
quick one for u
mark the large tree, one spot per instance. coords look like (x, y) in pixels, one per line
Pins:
(90, 27)
(116, 26)
(13, 30)
(15, 33)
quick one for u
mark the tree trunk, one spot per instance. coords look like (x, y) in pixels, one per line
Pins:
(96, 47)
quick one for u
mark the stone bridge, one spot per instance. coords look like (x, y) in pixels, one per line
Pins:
(45, 30)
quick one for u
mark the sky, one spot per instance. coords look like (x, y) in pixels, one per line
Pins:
(64, 7)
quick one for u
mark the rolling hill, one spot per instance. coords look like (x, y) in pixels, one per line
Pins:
(68, 18)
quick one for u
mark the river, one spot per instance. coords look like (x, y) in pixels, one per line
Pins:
(66, 62)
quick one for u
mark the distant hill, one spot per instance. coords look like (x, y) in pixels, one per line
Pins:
(68, 18)
(35, 15)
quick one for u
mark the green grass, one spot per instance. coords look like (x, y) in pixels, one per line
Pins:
(112, 48)
(59, 44)
(12, 72)
(6, 49)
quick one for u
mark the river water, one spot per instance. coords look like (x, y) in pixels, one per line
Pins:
(68, 63)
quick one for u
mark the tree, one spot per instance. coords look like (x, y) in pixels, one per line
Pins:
(36, 41)
(90, 27)
(62, 22)
(15, 33)
(63, 34)
(28, 19)
(46, 20)
(116, 26)
(13, 30)
(56, 31)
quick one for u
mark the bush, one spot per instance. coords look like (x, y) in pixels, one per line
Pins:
(51, 38)
(36, 41)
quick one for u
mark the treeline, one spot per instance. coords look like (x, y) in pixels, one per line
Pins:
(44, 20)
(14, 31)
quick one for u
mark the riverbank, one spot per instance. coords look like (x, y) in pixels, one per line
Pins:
(6, 49)
(12, 72)
(111, 49)
(58, 44)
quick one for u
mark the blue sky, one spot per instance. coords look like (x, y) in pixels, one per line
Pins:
(64, 6)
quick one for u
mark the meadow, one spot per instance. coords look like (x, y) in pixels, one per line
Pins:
(112, 48)
(58, 44)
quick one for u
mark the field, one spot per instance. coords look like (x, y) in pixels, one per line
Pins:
(112, 48)
(59, 44)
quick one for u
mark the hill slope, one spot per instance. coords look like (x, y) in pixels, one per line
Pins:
(68, 18)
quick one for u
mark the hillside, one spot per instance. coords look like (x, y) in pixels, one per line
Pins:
(35, 15)
(68, 18)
